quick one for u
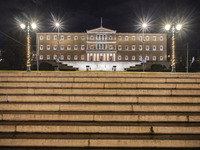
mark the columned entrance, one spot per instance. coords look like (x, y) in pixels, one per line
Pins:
(101, 56)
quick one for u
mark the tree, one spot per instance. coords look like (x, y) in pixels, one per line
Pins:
(14, 57)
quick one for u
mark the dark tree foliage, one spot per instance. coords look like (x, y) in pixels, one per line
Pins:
(14, 56)
(46, 66)
(157, 67)
(195, 67)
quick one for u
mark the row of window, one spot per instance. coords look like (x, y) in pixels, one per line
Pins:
(83, 57)
(62, 57)
(62, 47)
(62, 37)
(102, 46)
(140, 47)
(101, 37)
(140, 58)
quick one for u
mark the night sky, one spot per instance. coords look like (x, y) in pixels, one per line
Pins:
(120, 15)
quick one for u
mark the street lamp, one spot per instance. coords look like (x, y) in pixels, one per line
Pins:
(173, 30)
(144, 26)
(57, 24)
(28, 27)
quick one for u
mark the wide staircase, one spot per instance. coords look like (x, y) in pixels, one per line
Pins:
(99, 110)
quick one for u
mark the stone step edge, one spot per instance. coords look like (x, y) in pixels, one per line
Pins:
(100, 129)
(99, 118)
(100, 143)
(99, 98)
(100, 107)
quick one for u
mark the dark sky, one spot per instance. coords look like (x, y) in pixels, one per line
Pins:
(120, 15)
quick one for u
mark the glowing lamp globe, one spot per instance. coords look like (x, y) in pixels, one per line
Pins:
(167, 27)
(178, 27)
(144, 25)
(22, 26)
(33, 25)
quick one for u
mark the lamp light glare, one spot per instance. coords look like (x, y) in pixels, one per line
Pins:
(178, 27)
(144, 25)
(167, 27)
(57, 24)
(33, 25)
(22, 26)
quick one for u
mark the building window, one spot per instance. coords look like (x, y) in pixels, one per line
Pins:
(147, 38)
(147, 47)
(41, 37)
(91, 37)
(110, 38)
(82, 47)
(48, 37)
(62, 47)
(133, 38)
(161, 48)
(41, 57)
(62, 37)
(154, 57)
(62, 57)
(126, 38)
(75, 57)
(101, 58)
(69, 47)
(147, 58)
(126, 47)
(76, 38)
(119, 47)
(41, 47)
(97, 37)
(55, 37)
(68, 57)
(91, 46)
(133, 47)
(133, 57)
(140, 58)
(48, 57)
(154, 38)
(82, 38)
(48, 47)
(119, 57)
(75, 47)
(126, 57)
(104, 37)
(82, 57)
(161, 58)
(154, 47)
(101, 37)
(161, 38)
(110, 47)
(54, 57)
(140, 47)
(69, 38)
(55, 47)
(140, 38)
(119, 38)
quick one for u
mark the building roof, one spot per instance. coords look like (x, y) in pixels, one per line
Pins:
(101, 30)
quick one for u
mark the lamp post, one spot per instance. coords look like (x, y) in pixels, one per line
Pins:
(58, 40)
(144, 26)
(28, 27)
(173, 30)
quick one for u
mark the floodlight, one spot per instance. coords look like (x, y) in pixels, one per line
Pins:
(144, 25)
(33, 25)
(57, 24)
(178, 27)
(167, 27)
(22, 26)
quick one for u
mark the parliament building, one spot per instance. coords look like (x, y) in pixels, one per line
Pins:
(102, 49)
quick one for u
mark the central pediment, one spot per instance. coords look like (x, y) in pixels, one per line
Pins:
(101, 30)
